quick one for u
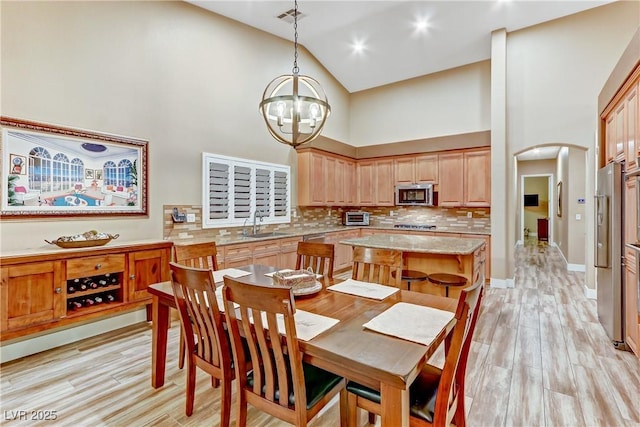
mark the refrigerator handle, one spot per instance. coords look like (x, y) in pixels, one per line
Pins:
(602, 231)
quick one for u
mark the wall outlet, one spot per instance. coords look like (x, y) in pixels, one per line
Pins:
(191, 217)
(469, 214)
(578, 217)
(391, 213)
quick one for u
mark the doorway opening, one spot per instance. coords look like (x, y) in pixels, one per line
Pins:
(537, 208)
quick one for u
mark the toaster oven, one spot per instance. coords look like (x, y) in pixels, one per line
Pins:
(355, 218)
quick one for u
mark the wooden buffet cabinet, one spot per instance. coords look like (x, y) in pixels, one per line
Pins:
(40, 289)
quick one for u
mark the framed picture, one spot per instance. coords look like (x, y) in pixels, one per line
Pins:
(559, 190)
(53, 171)
(18, 164)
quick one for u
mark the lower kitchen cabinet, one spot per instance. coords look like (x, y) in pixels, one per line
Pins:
(278, 252)
(61, 287)
(343, 254)
(631, 317)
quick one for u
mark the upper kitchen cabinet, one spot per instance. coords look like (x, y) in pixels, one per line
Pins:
(621, 121)
(325, 179)
(632, 128)
(375, 182)
(477, 176)
(416, 169)
(465, 178)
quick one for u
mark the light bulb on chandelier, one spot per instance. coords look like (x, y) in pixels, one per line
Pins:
(294, 107)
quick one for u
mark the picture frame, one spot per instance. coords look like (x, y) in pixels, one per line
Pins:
(559, 194)
(70, 172)
(18, 164)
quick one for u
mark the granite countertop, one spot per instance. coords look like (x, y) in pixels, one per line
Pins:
(284, 233)
(419, 244)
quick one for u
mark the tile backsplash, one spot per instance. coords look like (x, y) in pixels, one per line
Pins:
(311, 217)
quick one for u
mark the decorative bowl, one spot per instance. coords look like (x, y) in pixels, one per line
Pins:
(65, 242)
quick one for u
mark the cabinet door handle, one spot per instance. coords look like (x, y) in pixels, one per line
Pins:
(133, 276)
(98, 266)
(58, 290)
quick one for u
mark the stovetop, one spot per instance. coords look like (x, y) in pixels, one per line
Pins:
(415, 226)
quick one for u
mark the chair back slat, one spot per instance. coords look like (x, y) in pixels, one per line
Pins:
(382, 266)
(318, 256)
(198, 255)
(276, 360)
(450, 398)
(194, 290)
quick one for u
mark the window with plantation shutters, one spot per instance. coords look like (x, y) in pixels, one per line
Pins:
(235, 188)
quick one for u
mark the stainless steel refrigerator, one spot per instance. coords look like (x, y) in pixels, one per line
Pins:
(608, 251)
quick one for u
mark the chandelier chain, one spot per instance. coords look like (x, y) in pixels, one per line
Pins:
(295, 38)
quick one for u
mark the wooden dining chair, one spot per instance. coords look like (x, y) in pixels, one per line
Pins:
(436, 395)
(198, 255)
(209, 350)
(318, 256)
(382, 266)
(280, 383)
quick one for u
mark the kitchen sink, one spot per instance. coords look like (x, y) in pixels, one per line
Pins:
(268, 234)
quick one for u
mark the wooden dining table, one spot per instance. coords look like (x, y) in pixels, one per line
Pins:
(382, 362)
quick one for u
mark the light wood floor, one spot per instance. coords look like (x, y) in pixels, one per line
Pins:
(539, 358)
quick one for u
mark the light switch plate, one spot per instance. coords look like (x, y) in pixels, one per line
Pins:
(578, 217)
(191, 217)
(469, 214)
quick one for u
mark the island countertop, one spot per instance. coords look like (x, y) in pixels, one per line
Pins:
(418, 244)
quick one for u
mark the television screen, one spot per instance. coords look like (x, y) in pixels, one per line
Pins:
(531, 200)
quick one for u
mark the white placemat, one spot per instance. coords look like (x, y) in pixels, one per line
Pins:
(364, 289)
(286, 270)
(231, 272)
(308, 325)
(411, 322)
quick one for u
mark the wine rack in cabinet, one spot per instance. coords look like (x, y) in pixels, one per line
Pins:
(93, 282)
(55, 288)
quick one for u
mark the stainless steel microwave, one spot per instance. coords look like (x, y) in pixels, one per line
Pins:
(414, 195)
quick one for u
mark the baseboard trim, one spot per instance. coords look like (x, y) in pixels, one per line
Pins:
(576, 267)
(56, 339)
(590, 293)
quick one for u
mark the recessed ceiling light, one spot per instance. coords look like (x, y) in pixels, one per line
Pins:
(358, 46)
(421, 25)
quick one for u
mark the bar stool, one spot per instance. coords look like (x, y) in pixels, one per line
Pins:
(446, 280)
(409, 276)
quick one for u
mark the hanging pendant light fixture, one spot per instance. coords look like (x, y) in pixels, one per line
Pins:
(294, 106)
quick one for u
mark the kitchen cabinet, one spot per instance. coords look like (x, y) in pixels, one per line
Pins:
(610, 137)
(266, 253)
(632, 128)
(450, 187)
(630, 210)
(631, 321)
(288, 252)
(325, 179)
(277, 252)
(485, 255)
(620, 134)
(343, 254)
(477, 178)
(465, 178)
(416, 169)
(55, 288)
(375, 182)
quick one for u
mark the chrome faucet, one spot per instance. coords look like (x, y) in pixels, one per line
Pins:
(244, 227)
(256, 214)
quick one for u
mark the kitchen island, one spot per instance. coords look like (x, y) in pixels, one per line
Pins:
(430, 254)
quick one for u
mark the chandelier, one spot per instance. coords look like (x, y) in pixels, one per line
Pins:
(294, 106)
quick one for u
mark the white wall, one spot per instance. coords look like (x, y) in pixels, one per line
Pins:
(174, 74)
(555, 73)
(447, 103)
